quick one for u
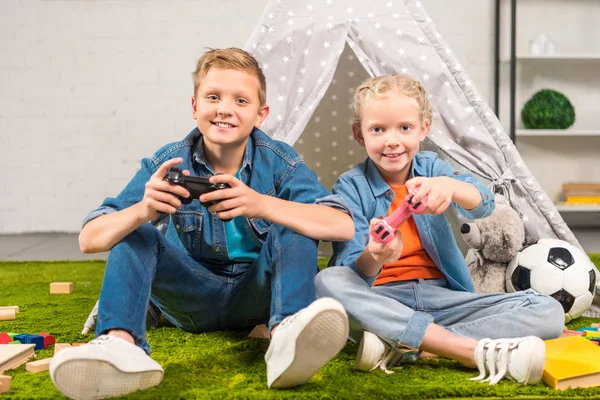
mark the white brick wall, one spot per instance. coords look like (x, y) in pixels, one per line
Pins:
(88, 88)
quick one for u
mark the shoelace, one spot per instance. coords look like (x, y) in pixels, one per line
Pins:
(287, 320)
(492, 356)
(390, 357)
(100, 340)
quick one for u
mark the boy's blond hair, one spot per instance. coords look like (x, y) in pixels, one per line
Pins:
(230, 58)
(374, 87)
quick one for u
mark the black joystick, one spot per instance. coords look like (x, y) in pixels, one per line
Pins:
(196, 185)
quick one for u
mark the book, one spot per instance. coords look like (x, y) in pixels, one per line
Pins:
(571, 362)
(583, 199)
(581, 187)
(14, 355)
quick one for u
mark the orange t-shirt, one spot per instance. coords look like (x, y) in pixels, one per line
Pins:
(414, 262)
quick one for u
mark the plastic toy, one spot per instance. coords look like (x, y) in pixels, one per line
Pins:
(383, 232)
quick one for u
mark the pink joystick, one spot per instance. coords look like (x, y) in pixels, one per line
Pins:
(383, 232)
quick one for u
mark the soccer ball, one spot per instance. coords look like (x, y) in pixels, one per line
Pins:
(558, 269)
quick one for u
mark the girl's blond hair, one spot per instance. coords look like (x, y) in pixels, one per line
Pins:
(374, 87)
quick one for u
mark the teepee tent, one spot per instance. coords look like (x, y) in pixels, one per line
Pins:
(314, 53)
(309, 50)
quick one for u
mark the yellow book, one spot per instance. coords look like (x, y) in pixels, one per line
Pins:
(583, 199)
(571, 361)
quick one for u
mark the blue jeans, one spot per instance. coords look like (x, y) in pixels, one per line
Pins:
(400, 312)
(199, 296)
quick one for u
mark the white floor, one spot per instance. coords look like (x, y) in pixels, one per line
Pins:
(64, 246)
(44, 247)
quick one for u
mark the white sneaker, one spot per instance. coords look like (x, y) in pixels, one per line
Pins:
(375, 353)
(520, 359)
(108, 366)
(304, 342)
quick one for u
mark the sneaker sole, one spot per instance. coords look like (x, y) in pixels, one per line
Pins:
(320, 340)
(94, 379)
(366, 362)
(538, 358)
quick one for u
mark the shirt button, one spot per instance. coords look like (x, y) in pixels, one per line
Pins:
(456, 172)
(177, 226)
(487, 196)
(388, 193)
(218, 249)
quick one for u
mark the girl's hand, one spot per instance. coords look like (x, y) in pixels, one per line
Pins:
(384, 253)
(439, 192)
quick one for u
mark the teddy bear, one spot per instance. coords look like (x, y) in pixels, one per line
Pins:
(493, 242)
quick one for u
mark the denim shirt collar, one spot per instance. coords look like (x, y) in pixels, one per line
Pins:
(200, 156)
(378, 184)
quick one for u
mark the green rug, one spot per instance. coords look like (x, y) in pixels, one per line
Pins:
(223, 364)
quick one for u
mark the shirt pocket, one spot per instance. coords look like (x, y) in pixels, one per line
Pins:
(188, 225)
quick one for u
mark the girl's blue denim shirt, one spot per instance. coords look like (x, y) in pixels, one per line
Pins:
(269, 167)
(369, 196)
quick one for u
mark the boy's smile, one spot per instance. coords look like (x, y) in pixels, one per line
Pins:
(227, 108)
(391, 130)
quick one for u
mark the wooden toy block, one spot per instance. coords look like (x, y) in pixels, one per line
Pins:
(5, 383)
(7, 315)
(61, 346)
(260, 332)
(16, 308)
(587, 328)
(568, 332)
(596, 325)
(4, 338)
(61, 287)
(48, 339)
(26, 338)
(77, 344)
(38, 366)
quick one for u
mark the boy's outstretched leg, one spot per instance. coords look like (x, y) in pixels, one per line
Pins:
(108, 366)
(117, 362)
(304, 342)
(305, 334)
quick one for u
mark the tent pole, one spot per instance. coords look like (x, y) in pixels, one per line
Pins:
(513, 67)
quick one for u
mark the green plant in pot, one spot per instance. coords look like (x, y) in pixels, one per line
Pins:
(548, 109)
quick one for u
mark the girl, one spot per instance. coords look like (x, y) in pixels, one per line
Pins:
(415, 293)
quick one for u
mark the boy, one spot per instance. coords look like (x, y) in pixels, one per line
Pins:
(206, 274)
(422, 298)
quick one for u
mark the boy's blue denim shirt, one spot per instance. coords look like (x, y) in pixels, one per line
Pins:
(369, 196)
(269, 167)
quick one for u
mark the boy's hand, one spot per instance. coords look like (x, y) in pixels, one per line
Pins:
(238, 200)
(384, 253)
(439, 191)
(160, 196)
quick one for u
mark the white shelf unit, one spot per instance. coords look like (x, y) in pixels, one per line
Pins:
(580, 216)
(558, 132)
(567, 57)
(561, 155)
(584, 208)
(560, 57)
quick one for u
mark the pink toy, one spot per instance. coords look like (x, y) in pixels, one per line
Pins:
(383, 232)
